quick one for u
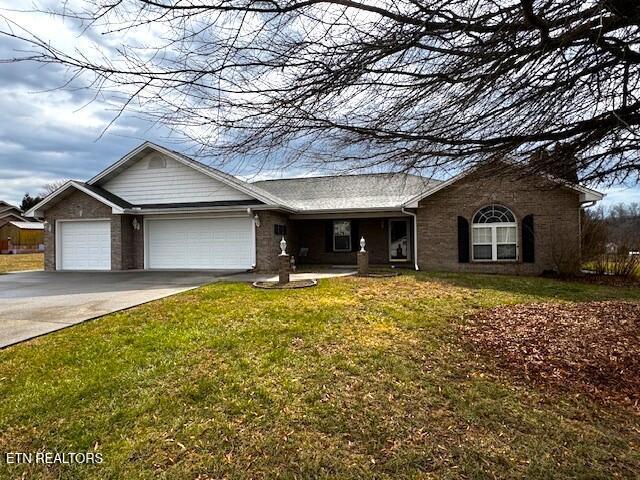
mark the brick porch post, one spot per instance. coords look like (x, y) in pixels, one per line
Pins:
(284, 263)
(283, 268)
(363, 259)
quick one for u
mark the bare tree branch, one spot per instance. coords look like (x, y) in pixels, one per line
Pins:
(402, 85)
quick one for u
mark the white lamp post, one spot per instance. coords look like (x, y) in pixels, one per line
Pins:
(362, 244)
(283, 246)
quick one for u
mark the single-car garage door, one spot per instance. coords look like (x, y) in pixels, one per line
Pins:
(200, 243)
(84, 245)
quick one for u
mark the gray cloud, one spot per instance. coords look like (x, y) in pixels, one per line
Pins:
(47, 135)
(44, 137)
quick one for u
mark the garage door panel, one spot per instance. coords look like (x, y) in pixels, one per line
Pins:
(221, 243)
(85, 245)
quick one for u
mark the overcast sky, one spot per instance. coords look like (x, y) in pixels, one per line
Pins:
(48, 134)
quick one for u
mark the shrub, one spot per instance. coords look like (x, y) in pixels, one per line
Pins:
(620, 264)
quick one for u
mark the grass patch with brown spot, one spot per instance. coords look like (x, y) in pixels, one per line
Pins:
(355, 378)
(21, 261)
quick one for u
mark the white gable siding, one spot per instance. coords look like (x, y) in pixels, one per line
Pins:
(176, 183)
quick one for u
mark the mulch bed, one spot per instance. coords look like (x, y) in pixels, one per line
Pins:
(286, 286)
(591, 348)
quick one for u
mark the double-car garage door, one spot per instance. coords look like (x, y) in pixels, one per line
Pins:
(200, 243)
(195, 243)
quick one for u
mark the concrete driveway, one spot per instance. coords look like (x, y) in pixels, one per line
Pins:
(35, 303)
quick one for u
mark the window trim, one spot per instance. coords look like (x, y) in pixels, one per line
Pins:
(494, 237)
(333, 236)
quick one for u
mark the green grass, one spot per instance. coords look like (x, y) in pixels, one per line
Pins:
(21, 261)
(354, 378)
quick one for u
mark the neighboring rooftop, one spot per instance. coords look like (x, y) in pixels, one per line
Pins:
(6, 207)
(365, 191)
(28, 225)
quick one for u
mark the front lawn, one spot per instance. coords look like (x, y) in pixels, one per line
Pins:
(354, 378)
(21, 261)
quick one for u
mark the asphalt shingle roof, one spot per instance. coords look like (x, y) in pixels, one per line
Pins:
(108, 195)
(380, 190)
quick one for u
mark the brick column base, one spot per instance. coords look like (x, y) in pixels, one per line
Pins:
(283, 268)
(363, 263)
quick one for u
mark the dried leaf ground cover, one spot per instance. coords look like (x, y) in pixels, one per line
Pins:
(355, 378)
(591, 348)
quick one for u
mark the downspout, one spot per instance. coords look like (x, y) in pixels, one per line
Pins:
(582, 207)
(415, 236)
(253, 239)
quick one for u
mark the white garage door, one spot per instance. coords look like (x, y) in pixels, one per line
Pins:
(200, 243)
(85, 245)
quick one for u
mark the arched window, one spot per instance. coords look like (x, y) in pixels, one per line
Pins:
(157, 162)
(494, 234)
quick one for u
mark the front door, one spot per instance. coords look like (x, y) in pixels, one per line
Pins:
(399, 250)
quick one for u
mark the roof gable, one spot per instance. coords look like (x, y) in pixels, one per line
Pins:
(5, 207)
(11, 213)
(179, 179)
(586, 194)
(117, 205)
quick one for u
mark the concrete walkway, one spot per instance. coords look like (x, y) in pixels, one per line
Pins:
(37, 303)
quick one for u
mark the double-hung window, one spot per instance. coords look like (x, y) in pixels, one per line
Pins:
(494, 234)
(341, 236)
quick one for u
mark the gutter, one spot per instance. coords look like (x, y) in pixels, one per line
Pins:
(415, 237)
(183, 210)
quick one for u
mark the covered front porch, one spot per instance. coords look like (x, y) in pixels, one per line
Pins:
(335, 239)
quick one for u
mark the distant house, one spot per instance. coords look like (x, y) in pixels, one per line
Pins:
(612, 247)
(9, 213)
(21, 237)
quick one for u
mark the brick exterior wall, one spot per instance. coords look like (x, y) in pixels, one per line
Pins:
(132, 243)
(556, 214)
(268, 243)
(126, 243)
